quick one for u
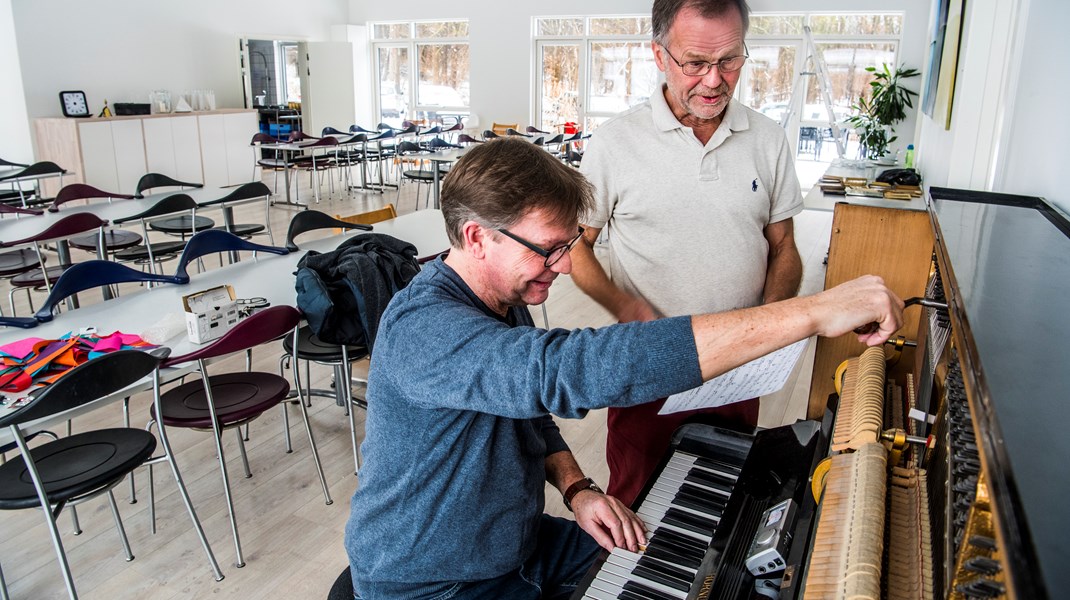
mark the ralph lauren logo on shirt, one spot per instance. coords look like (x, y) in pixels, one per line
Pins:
(754, 185)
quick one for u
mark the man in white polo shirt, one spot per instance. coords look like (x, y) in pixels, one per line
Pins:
(698, 192)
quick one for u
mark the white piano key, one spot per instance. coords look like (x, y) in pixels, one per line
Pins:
(625, 575)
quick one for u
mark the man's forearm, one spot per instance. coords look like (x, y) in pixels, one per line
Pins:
(562, 470)
(591, 277)
(783, 275)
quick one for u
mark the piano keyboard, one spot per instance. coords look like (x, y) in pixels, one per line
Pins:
(681, 512)
(710, 476)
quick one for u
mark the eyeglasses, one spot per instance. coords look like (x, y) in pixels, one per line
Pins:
(552, 255)
(698, 68)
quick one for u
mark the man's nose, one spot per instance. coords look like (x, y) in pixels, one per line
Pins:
(713, 79)
(563, 266)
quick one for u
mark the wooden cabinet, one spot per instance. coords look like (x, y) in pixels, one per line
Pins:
(112, 154)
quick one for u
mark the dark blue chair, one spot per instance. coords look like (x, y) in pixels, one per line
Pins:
(211, 242)
(90, 274)
(154, 253)
(310, 220)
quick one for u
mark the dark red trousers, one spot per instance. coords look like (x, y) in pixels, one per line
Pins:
(638, 438)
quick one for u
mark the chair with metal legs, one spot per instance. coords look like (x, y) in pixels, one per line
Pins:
(230, 400)
(79, 467)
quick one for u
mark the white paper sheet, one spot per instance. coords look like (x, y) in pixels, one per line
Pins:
(760, 376)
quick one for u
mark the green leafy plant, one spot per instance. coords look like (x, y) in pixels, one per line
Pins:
(875, 118)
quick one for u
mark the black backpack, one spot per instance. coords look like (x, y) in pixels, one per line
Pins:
(343, 293)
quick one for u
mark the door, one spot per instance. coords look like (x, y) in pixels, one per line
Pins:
(395, 81)
(326, 71)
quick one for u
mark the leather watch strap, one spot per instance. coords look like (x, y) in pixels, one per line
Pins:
(583, 484)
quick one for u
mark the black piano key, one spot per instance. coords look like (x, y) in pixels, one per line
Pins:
(662, 552)
(675, 547)
(666, 569)
(712, 463)
(629, 595)
(680, 540)
(646, 593)
(690, 522)
(714, 502)
(688, 501)
(710, 480)
(659, 577)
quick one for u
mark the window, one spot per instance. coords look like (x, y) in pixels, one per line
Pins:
(423, 71)
(779, 79)
(590, 68)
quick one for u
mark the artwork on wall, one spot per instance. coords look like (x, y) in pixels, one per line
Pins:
(939, 90)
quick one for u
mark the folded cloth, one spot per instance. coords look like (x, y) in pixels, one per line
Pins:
(36, 361)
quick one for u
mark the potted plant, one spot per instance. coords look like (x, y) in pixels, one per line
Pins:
(875, 118)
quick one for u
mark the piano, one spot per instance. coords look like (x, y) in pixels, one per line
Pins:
(930, 468)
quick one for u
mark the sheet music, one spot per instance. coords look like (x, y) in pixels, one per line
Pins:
(760, 376)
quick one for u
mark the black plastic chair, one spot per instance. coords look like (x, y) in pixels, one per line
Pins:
(511, 131)
(533, 129)
(464, 138)
(8, 163)
(243, 193)
(181, 226)
(211, 242)
(114, 239)
(38, 169)
(311, 220)
(79, 467)
(342, 589)
(153, 253)
(331, 131)
(420, 176)
(230, 400)
(152, 181)
(489, 134)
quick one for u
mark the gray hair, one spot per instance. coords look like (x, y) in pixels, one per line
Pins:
(664, 13)
(498, 182)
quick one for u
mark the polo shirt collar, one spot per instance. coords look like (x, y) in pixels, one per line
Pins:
(735, 118)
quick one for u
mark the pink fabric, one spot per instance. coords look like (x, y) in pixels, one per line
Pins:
(20, 349)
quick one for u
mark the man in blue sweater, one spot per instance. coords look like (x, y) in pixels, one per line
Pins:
(459, 439)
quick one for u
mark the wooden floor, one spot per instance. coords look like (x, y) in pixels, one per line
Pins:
(291, 539)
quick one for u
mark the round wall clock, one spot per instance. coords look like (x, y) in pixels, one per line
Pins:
(74, 104)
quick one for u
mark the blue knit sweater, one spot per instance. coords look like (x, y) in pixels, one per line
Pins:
(458, 425)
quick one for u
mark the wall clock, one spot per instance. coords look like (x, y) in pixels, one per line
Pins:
(74, 104)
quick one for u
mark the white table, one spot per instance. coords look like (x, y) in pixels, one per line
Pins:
(269, 276)
(815, 199)
(439, 158)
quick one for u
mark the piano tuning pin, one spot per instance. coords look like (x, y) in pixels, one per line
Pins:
(981, 588)
(982, 541)
(983, 565)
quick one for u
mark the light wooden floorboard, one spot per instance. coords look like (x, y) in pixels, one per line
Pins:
(292, 540)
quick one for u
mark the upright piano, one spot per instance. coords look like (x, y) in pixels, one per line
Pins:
(929, 468)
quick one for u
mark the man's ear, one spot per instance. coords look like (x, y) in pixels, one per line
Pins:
(475, 238)
(659, 58)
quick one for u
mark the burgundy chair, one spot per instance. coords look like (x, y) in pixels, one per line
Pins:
(230, 400)
(36, 278)
(466, 139)
(114, 239)
(274, 164)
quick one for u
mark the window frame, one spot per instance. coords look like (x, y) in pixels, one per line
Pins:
(413, 44)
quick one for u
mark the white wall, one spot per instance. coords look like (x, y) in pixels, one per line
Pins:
(501, 47)
(121, 50)
(15, 142)
(1009, 128)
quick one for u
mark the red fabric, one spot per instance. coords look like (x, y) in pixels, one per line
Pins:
(638, 438)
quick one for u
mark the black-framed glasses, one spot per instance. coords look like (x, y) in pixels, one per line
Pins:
(552, 255)
(698, 68)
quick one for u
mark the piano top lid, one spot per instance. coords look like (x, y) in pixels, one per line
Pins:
(1010, 258)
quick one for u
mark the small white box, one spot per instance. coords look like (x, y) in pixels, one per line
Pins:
(210, 313)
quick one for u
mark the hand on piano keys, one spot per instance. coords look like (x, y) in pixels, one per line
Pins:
(608, 521)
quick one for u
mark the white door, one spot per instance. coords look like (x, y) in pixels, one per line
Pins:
(326, 70)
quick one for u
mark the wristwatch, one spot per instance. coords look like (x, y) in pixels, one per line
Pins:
(584, 484)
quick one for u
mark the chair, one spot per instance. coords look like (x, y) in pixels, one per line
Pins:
(8, 163)
(465, 139)
(359, 129)
(7, 209)
(274, 164)
(60, 230)
(79, 467)
(230, 400)
(311, 220)
(331, 131)
(342, 588)
(453, 129)
(316, 164)
(502, 128)
(36, 170)
(420, 176)
(490, 135)
(311, 349)
(114, 239)
(245, 193)
(180, 226)
(809, 141)
(440, 144)
(91, 274)
(153, 253)
(17, 262)
(211, 242)
(533, 129)
(511, 131)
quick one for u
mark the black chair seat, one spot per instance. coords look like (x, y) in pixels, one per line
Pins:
(181, 225)
(18, 261)
(310, 347)
(243, 230)
(159, 250)
(36, 279)
(114, 239)
(238, 396)
(74, 466)
(343, 587)
(272, 163)
(422, 175)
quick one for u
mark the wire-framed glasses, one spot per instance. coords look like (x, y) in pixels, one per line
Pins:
(552, 255)
(698, 68)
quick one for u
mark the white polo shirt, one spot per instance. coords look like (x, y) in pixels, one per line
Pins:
(685, 221)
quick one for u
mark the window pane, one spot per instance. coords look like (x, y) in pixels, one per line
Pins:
(393, 85)
(621, 26)
(847, 75)
(871, 24)
(559, 26)
(769, 77)
(623, 74)
(391, 31)
(776, 24)
(293, 79)
(560, 86)
(443, 72)
(442, 29)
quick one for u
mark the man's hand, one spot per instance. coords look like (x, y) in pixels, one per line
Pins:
(609, 522)
(857, 303)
